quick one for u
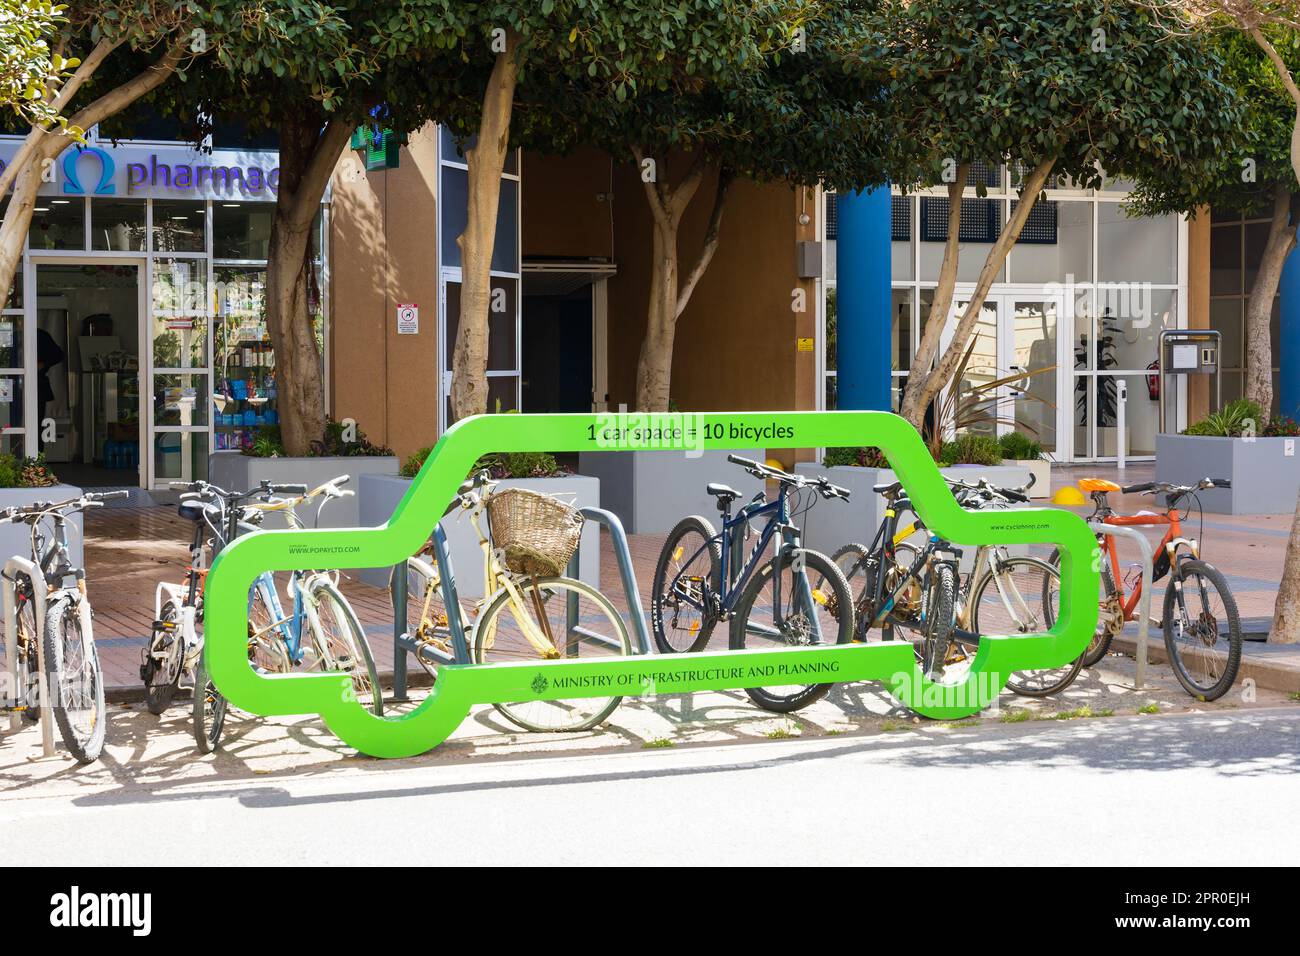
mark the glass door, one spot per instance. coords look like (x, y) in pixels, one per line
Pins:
(969, 412)
(180, 393)
(1030, 344)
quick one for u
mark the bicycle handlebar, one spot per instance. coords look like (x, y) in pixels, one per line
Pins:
(821, 482)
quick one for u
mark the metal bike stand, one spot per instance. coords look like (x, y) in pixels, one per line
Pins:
(1144, 602)
(13, 567)
(623, 555)
(404, 644)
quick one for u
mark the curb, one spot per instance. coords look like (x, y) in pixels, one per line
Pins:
(1269, 674)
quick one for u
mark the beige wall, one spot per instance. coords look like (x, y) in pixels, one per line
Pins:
(382, 243)
(1198, 305)
(736, 342)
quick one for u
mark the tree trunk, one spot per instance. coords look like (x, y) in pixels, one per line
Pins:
(669, 296)
(654, 369)
(932, 382)
(1286, 615)
(1259, 308)
(486, 162)
(18, 220)
(309, 151)
(932, 331)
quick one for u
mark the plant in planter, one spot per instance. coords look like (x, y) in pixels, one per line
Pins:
(970, 448)
(1238, 419)
(268, 443)
(1020, 449)
(25, 472)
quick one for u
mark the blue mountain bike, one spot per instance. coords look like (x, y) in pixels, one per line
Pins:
(794, 598)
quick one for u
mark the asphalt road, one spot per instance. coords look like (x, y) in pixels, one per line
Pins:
(1125, 790)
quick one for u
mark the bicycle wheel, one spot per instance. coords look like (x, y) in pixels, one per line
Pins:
(1204, 627)
(938, 597)
(579, 622)
(426, 611)
(1110, 619)
(801, 618)
(685, 584)
(26, 693)
(340, 643)
(1023, 596)
(163, 660)
(75, 681)
(209, 708)
(266, 650)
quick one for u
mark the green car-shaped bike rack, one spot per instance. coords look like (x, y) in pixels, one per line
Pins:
(459, 688)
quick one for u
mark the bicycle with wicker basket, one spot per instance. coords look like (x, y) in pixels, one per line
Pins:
(531, 610)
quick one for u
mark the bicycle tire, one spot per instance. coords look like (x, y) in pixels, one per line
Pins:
(27, 692)
(62, 621)
(434, 626)
(1064, 676)
(209, 708)
(1220, 685)
(668, 554)
(487, 630)
(365, 676)
(1099, 646)
(158, 696)
(832, 577)
(940, 596)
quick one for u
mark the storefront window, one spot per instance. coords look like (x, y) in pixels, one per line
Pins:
(58, 224)
(180, 399)
(1131, 249)
(178, 226)
(11, 341)
(241, 230)
(117, 226)
(180, 286)
(1055, 244)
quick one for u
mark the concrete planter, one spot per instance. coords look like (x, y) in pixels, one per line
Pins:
(379, 495)
(651, 491)
(830, 524)
(233, 470)
(15, 539)
(1265, 479)
(1040, 468)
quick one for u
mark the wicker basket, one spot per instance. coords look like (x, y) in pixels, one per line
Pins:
(536, 533)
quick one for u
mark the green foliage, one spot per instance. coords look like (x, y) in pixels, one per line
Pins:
(268, 443)
(413, 463)
(1019, 447)
(1097, 86)
(1259, 156)
(520, 464)
(971, 448)
(869, 457)
(25, 472)
(28, 61)
(1282, 426)
(1235, 419)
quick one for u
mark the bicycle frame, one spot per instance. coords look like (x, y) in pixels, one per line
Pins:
(887, 538)
(1170, 543)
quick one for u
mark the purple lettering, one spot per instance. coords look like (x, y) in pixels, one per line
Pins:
(136, 174)
(226, 176)
(160, 171)
(273, 179)
(254, 179)
(184, 176)
(201, 173)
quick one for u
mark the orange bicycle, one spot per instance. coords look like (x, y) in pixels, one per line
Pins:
(1201, 625)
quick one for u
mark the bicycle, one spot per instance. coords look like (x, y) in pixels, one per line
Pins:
(1194, 637)
(523, 617)
(718, 582)
(72, 671)
(1001, 594)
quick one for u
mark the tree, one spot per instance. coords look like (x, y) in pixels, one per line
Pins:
(155, 38)
(28, 62)
(1055, 88)
(1269, 24)
(1254, 175)
(318, 75)
(797, 108)
(610, 52)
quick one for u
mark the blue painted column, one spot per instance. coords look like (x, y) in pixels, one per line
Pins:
(1288, 348)
(862, 270)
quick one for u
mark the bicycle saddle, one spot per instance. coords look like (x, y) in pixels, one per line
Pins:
(722, 492)
(194, 510)
(1097, 484)
(890, 489)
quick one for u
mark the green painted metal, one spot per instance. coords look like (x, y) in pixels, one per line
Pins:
(461, 687)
